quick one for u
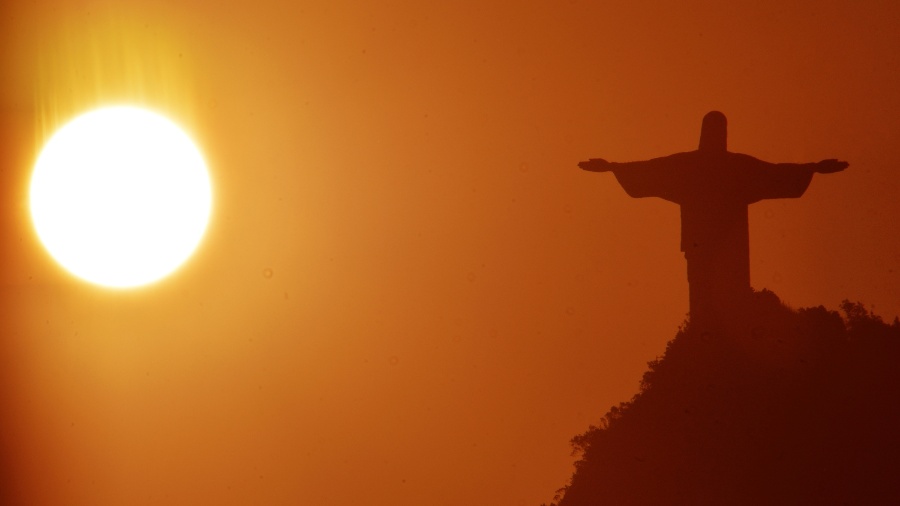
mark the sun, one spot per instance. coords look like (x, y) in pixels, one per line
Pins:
(120, 196)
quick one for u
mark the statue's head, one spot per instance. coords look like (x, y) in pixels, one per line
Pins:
(714, 132)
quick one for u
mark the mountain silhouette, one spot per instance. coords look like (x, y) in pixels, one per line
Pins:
(786, 407)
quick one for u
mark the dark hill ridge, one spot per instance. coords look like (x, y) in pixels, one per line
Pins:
(788, 407)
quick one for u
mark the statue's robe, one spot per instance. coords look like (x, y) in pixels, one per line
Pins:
(714, 190)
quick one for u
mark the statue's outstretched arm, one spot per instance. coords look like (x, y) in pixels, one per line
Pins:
(766, 180)
(596, 165)
(824, 167)
(657, 177)
(830, 165)
(601, 165)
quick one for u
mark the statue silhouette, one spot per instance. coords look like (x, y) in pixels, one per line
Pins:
(714, 187)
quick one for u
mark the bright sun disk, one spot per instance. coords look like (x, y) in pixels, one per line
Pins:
(120, 196)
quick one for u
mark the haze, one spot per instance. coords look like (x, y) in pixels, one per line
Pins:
(409, 293)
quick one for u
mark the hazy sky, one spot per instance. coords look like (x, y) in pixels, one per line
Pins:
(409, 294)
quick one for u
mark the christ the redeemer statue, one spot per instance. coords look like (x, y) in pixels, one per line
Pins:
(714, 187)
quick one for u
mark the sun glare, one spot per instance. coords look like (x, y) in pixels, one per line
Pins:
(120, 196)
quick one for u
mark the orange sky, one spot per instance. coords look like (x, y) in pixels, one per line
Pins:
(451, 299)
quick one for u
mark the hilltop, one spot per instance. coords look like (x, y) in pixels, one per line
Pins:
(788, 407)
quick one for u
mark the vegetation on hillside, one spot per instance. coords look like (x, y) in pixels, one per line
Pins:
(789, 407)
